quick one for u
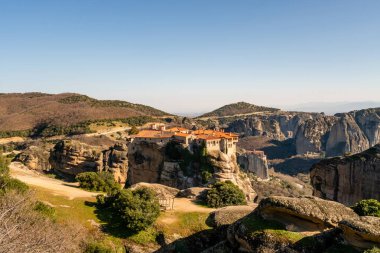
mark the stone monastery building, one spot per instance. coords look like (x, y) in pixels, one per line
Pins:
(213, 140)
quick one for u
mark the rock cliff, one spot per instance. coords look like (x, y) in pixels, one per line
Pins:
(346, 137)
(72, 157)
(348, 179)
(254, 162)
(342, 133)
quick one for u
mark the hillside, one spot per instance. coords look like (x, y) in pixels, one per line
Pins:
(23, 111)
(238, 108)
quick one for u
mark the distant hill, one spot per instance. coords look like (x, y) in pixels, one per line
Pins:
(23, 111)
(238, 108)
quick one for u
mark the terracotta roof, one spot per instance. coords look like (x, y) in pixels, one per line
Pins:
(207, 137)
(182, 134)
(178, 129)
(153, 134)
(215, 133)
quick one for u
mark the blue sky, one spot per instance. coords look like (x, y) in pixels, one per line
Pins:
(191, 56)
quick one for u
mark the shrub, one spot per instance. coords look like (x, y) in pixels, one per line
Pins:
(225, 194)
(367, 207)
(45, 210)
(134, 130)
(93, 181)
(96, 247)
(373, 250)
(10, 184)
(136, 209)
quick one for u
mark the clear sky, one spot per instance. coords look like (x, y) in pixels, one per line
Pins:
(195, 55)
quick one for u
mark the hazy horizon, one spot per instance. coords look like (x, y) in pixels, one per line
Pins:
(196, 56)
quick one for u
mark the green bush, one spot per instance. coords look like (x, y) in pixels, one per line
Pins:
(93, 181)
(96, 247)
(367, 207)
(44, 209)
(133, 130)
(225, 194)
(373, 250)
(135, 209)
(10, 184)
(4, 162)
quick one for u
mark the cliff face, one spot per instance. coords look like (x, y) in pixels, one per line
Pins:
(313, 133)
(73, 157)
(255, 163)
(350, 179)
(346, 136)
(277, 126)
(351, 132)
(226, 168)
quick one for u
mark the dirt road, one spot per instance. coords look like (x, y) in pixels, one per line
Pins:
(57, 187)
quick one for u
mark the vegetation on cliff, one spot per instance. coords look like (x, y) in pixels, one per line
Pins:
(367, 207)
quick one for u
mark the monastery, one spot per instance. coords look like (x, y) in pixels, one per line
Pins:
(213, 140)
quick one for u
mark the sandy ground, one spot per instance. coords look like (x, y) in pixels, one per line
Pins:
(11, 139)
(56, 187)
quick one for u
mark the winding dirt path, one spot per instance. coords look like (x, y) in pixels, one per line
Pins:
(57, 187)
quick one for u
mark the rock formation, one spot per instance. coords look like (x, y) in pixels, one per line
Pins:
(226, 168)
(304, 213)
(351, 132)
(348, 179)
(255, 162)
(72, 157)
(228, 215)
(363, 232)
(346, 137)
(35, 157)
(313, 133)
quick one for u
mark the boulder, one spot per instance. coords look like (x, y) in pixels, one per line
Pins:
(228, 215)
(161, 190)
(193, 193)
(363, 232)
(304, 213)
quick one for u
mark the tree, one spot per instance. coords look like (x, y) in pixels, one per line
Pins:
(136, 209)
(367, 207)
(134, 130)
(93, 181)
(225, 194)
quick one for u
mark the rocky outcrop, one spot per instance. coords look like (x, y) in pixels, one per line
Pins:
(162, 191)
(348, 179)
(346, 137)
(72, 157)
(369, 121)
(336, 135)
(255, 162)
(304, 213)
(146, 161)
(363, 232)
(226, 168)
(228, 215)
(312, 135)
(36, 157)
(277, 126)
(194, 193)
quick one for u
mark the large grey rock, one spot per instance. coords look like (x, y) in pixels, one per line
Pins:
(228, 215)
(346, 137)
(348, 179)
(363, 232)
(254, 161)
(304, 213)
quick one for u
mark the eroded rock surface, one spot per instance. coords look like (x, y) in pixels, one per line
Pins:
(363, 232)
(228, 215)
(73, 157)
(348, 179)
(304, 213)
